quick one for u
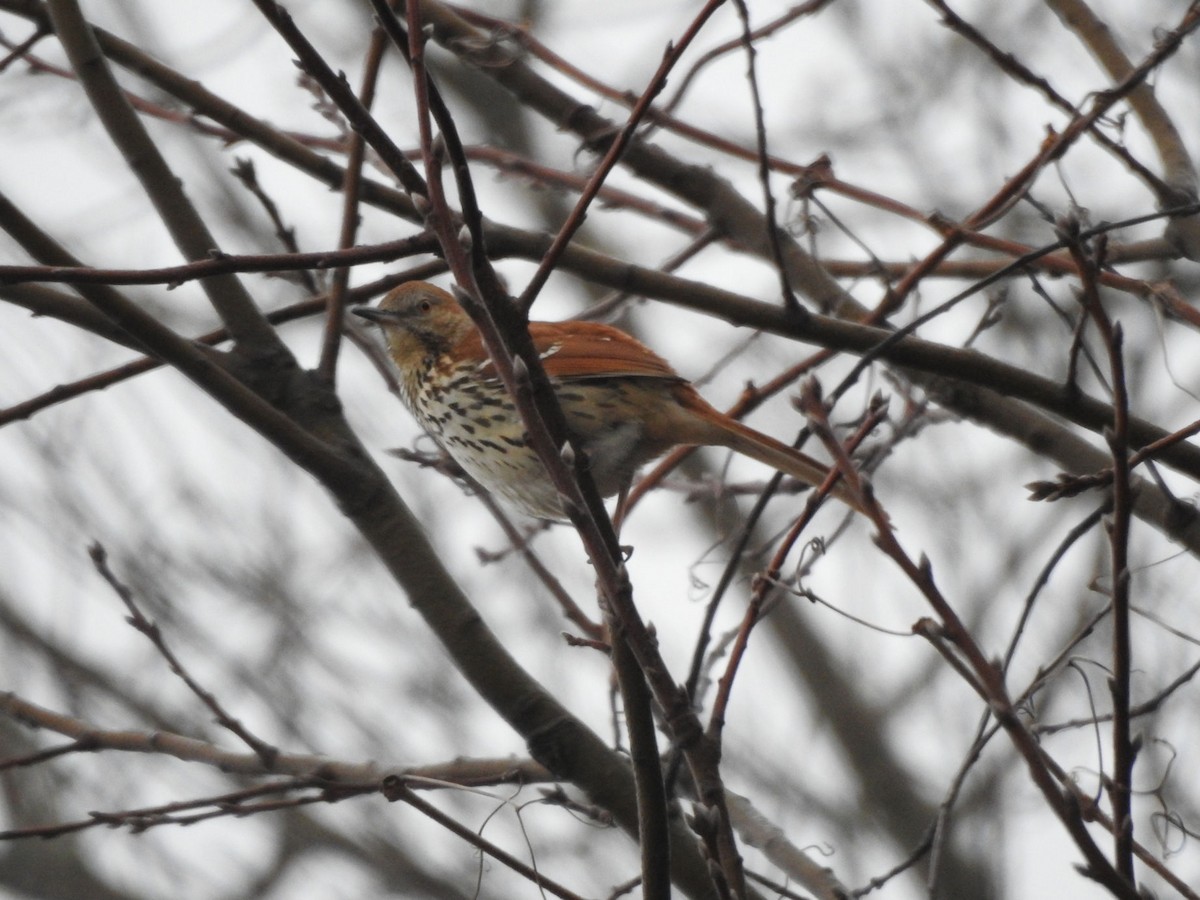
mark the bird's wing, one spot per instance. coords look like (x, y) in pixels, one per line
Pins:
(585, 350)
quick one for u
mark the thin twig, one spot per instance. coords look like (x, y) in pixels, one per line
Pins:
(612, 156)
(1124, 751)
(244, 171)
(397, 789)
(765, 582)
(953, 640)
(223, 263)
(331, 341)
(153, 633)
(764, 166)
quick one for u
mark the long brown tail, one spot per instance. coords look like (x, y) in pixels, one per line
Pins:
(721, 430)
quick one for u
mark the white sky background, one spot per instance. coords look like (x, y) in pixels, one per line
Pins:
(217, 532)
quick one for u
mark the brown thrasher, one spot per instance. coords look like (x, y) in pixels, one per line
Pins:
(623, 403)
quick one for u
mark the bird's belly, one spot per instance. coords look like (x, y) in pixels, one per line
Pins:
(502, 461)
(484, 435)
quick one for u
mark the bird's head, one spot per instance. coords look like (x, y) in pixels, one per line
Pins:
(419, 320)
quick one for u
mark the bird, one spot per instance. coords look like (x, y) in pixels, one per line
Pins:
(624, 405)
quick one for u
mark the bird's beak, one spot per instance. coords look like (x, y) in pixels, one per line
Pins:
(374, 314)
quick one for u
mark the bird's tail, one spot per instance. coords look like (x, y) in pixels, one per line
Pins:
(788, 460)
(725, 431)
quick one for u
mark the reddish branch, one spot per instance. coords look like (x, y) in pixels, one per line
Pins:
(958, 648)
(770, 576)
(612, 154)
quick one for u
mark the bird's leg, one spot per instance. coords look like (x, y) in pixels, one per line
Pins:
(619, 511)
